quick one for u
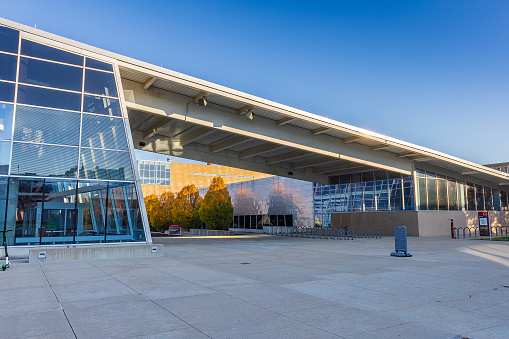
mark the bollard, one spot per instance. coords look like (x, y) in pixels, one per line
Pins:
(452, 229)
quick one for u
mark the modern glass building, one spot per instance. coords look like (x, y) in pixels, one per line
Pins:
(154, 172)
(66, 154)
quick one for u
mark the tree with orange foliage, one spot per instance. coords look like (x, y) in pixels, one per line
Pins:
(216, 211)
(185, 211)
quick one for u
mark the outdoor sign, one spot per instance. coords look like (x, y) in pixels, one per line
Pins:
(400, 240)
(175, 230)
(484, 224)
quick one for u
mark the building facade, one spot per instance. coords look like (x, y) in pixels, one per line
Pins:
(66, 155)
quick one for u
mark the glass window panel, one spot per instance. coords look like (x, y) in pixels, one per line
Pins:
(50, 74)
(7, 91)
(289, 220)
(8, 67)
(44, 160)
(33, 49)
(6, 113)
(4, 182)
(442, 194)
(5, 154)
(369, 196)
(101, 164)
(470, 197)
(48, 98)
(408, 194)
(393, 175)
(396, 194)
(345, 179)
(92, 63)
(235, 221)
(381, 195)
(103, 132)
(119, 226)
(101, 83)
(488, 199)
(58, 211)
(356, 190)
(496, 200)
(9, 40)
(504, 201)
(334, 180)
(462, 199)
(241, 221)
(101, 105)
(422, 197)
(356, 177)
(432, 193)
(27, 196)
(380, 175)
(367, 176)
(479, 197)
(453, 200)
(420, 173)
(253, 222)
(92, 201)
(42, 125)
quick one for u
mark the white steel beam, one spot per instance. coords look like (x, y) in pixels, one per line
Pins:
(244, 110)
(286, 157)
(155, 128)
(351, 139)
(150, 81)
(406, 154)
(284, 121)
(257, 150)
(379, 147)
(227, 143)
(313, 163)
(194, 134)
(320, 130)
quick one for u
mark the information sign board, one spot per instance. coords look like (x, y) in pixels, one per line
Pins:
(484, 224)
(400, 242)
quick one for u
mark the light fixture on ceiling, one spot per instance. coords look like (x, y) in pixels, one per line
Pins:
(250, 115)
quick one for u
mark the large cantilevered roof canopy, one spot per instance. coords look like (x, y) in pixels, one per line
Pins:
(167, 115)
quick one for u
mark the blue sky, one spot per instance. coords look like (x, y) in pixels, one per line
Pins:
(435, 73)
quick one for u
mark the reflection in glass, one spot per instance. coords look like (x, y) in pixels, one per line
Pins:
(422, 196)
(109, 165)
(451, 187)
(7, 91)
(442, 194)
(382, 195)
(462, 199)
(28, 195)
(369, 196)
(9, 40)
(101, 105)
(504, 203)
(396, 195)
(48, 98)
(58, 212)
(103, 132)
(34, 49)
(432, 193)
(44, 160)
(6, 113)
(356, 190)
(479, 197)
(408, 194)
(92, 63)
(8, 67)
(50, 74)
(470, 197)
(496, 200)
(488, 201)
(97, 82)
(5, 154)
(43, 125)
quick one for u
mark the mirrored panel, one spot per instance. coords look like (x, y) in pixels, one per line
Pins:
(42, 125)
(5, 154)
(33, 49)
(48, 98)
(6, 114)
(8, 67)
(44, 160)
(50, 74)
(103, 132)
(101, 105)
(92, 63)
(7, 91)
(9, 40)
(109, 165)
(102, 83)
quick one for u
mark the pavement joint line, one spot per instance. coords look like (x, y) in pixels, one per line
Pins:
(253, 304)
(59, 303)
(405, 321)
(147, 298)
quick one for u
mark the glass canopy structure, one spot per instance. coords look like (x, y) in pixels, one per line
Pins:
(66, 154)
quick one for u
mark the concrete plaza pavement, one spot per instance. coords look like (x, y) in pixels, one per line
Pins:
(266, 287)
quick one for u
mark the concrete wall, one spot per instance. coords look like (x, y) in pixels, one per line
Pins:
(418, 223)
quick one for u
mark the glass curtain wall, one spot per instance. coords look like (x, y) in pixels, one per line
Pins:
(437, 192)
(363, 192)
(66, 173)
